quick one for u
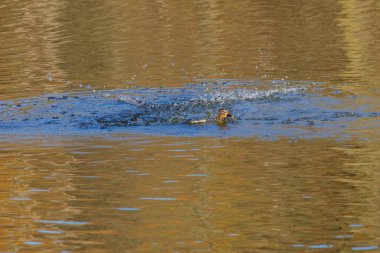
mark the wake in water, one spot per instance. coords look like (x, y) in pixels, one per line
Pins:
(276, 109)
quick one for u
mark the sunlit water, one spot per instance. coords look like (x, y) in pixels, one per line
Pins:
(115, 192)
(96, 153)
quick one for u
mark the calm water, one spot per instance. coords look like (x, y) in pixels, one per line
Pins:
(96, 155)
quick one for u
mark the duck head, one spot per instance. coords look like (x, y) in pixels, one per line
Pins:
(223, 114)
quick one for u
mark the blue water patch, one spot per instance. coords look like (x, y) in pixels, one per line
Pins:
(33, 243)
(53, 232)
(133, 209)
(63, 222)
(320, 246)
(197, 175)
(365, 248)
(267, 110)
(356, 225)
(158, 198)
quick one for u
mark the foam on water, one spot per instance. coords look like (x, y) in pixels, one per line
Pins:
(265, 110)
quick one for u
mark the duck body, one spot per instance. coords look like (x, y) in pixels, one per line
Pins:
(197, 121)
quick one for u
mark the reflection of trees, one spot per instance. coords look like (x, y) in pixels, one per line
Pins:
(307, 39)
(169, 42)
(29, 52)
(359, 21)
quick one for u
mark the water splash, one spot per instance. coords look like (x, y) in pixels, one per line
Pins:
(276, 109)
(174, 106)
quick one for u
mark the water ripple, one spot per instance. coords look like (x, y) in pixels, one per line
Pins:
(365, 248)
(63, 222)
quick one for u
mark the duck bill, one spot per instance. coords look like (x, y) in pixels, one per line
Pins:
(230, 116)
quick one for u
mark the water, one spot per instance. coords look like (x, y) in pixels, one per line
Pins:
(57, 46)
(96, 154)
(231, 193)
(294, 110)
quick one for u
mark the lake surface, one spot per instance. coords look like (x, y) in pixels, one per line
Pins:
(96, 154)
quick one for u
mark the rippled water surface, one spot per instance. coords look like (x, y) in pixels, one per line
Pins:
(97, 153)
(122, 193)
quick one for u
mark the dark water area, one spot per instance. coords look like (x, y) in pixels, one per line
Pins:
(96, 153)
(265, 110)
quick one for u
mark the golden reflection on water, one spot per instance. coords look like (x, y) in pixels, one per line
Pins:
(54, 46)
(360, 33)
(187, 194)
(170, 194)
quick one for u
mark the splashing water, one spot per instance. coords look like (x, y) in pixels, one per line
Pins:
(278, 109)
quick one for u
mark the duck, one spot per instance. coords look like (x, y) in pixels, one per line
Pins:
(221, 118)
